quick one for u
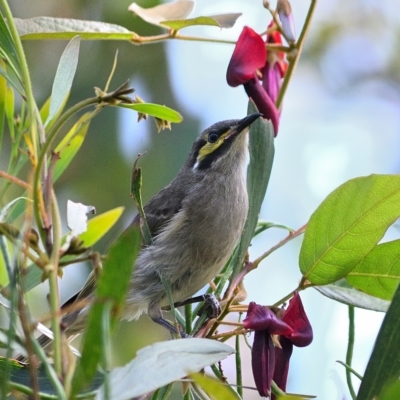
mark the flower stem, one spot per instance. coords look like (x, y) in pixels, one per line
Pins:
(238, 359)
(298, 47)
(349, 354)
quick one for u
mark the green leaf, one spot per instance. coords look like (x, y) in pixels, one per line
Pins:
(347, 226)
(262, 151)
(154, 110)
(7, 47)
(378, 274)
(222, 21)
(343, 292)
(65, 28)
(71, 144)
(391, 391)
(3, 94)
(215, 389)
(9, 108)
(168, 362)
(384, 364)
(64, 76)
(110, 292)
(176, 10)
(99, 226)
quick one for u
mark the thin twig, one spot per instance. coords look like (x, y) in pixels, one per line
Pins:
(298, 48)
(14, 179)
(249, 266)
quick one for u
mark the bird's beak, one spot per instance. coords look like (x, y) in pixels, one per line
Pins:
(243, 124)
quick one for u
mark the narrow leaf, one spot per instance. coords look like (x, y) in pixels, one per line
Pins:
(163, 12)
(222, 21)
(343, 292)
(64, 76)
(167, 362)
(111, 289)
(261, 144)
(215, 389)
(183, 23)
(384, 364)
(7, 46)
(70, 145)
(154, 110)
(378, 274)
(65, 28)
(347, 226)
(99, 226)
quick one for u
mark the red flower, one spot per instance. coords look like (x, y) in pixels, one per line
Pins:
(250, 64)
(270, 362)
(301, 336)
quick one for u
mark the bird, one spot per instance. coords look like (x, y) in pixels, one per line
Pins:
(195, 223)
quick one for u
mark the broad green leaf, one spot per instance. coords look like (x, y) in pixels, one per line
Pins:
(215, 389)
(378, 274)
(154, 110)
(347, 226)
(222, 21)
(261, 145)
(110, 292)
(64, 28)
(99, 226)
(384, 364)
(167, 361)
(164, 12)
(391, 391)
(343, 292)
(64, 76)
(71, 144)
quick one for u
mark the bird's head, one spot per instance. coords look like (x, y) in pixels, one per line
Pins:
(222, 142)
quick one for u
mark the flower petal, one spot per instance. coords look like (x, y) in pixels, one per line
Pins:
(263, 361)
(296, 318)
(263, 102)
(272, 80)
(262, 318)
(282, 358)
(249, 55)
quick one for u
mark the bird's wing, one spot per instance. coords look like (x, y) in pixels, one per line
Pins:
(162, 207)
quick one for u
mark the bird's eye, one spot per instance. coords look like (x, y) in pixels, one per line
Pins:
(213, 137)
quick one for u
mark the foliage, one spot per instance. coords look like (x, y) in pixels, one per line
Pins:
(341, 254)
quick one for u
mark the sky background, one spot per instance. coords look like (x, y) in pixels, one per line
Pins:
(340, 120)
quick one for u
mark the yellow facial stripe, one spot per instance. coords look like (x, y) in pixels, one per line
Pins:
(209, 148)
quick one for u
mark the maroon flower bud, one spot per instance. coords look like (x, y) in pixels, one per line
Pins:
(296, 318)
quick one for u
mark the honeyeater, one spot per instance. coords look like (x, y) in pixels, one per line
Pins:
(195, 222)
